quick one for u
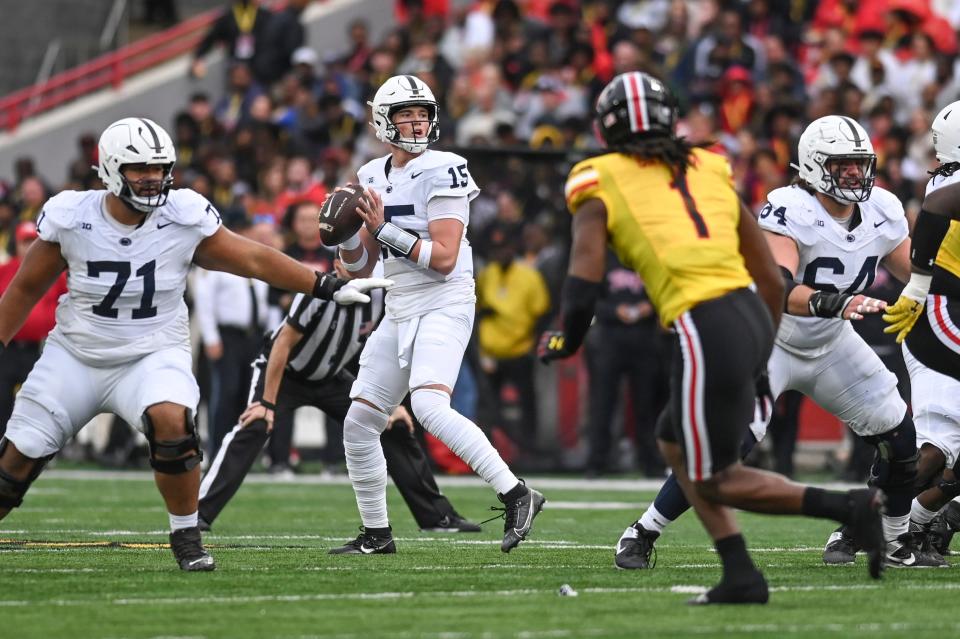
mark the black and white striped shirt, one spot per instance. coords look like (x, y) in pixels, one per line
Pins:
(332, 334)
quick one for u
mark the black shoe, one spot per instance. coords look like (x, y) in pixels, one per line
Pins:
(370, 541)
(635, 548)
(868, 506)
(189, 552)
(752, 591)
(203, 524)
(452, 524)
(909, 551)
(519, 513)
(943, 527)
(841, 548)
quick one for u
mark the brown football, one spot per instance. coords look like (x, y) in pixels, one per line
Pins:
(338, 216)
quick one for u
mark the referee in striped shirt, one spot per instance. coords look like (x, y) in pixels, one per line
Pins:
(304, 363)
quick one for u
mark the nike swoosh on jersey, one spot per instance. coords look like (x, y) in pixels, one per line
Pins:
(881, 223)
(416, 175)
(160, 226)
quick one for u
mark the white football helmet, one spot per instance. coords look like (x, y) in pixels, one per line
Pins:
(398, 92)
(135, 141)
(946, 134)
(832, 138)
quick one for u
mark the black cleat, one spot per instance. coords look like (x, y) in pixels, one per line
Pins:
(868, 506)
(841, 548)
(453, 524)
(519, 513)
(370, 541)
(189, 552)
(635, 548)
(943, 527)
(752, 591)
(913, 550)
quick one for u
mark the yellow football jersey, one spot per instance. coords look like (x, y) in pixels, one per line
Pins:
(948, 257)
(681, 239)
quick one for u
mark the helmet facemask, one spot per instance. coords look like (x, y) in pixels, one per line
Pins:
(157, 191)
(413, 144)
(844, 187)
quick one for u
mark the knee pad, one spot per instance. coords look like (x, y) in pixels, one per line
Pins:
(895, 464)
(363, 423)
(12, 489)
(167, 456)
(428, 404)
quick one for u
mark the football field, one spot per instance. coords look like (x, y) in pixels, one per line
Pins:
(86, 557)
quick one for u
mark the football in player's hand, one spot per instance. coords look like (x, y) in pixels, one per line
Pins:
(338, 217)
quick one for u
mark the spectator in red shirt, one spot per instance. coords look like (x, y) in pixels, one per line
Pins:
(24, 349)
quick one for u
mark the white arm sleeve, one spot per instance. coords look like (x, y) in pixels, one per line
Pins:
(441, 208)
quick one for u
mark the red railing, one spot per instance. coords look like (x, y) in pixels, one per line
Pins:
(107, 70)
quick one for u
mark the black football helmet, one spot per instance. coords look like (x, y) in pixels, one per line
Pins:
(634, 105)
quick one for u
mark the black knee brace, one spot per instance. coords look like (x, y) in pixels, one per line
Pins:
(165, 456)
(895, 464)
(951, 487)
(12, 489)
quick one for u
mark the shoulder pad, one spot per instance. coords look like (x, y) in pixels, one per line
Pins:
(788, 211)
(186, 207)
(583, 183)
(369, 169)
(448, 176)
(61, 210)
(886, 203)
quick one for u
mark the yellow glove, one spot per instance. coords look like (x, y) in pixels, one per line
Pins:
(902, 316)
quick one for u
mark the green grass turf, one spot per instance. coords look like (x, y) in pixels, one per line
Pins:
(274, 578)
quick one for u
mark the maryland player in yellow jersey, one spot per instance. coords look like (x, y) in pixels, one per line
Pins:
(925, 319)
(670, 211)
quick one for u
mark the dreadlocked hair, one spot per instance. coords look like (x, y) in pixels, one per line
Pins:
(946, 170)
(676, 153)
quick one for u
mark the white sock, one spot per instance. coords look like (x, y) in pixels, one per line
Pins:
(178, 522)
(920, 514)
(893, 527)
(463, 437)
(653, 521)
(366, 464)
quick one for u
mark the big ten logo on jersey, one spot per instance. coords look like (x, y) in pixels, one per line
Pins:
(780, 213)
(827, 273)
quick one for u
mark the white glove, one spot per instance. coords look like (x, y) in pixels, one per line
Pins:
(355, 291)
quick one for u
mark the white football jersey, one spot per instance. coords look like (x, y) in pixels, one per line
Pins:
(940, 181)
(125, 283)
(832, 257)
(405, 194)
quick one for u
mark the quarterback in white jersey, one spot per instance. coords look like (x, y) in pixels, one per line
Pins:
(121, 343)
(416, 210)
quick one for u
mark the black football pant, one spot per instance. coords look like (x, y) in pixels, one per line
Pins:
(406, 462)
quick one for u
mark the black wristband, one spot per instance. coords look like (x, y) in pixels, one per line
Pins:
(579, 298)
(928, 234)
(788, 285)
(824, 304)
(326, 285)
(268, 405)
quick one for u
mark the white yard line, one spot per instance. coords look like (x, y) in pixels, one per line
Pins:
(395, 595)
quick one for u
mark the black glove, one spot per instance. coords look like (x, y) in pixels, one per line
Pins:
(326, 285)
(553, 345)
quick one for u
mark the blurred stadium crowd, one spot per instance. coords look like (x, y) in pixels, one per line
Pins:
(516, 81)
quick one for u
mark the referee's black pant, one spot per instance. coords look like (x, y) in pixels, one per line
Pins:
(406, 462)
(17, 362)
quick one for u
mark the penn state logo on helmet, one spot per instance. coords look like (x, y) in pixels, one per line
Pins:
(396, 93)
(634, 105)
(829, 144)
(136, 141)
